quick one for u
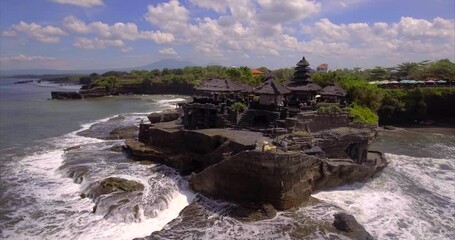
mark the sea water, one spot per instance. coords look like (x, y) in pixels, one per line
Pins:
(413, 198)
(39, 201)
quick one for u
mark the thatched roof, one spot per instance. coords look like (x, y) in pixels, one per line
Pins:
(219, 85)
(333, 90)
(271, 87)
(302, 86)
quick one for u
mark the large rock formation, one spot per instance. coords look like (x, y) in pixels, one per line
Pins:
(65, 95)
(231, 168)
(347, 223)
(186, 151)
(285, 180)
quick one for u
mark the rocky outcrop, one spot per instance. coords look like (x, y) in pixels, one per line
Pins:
(348, 224)
(125, 89)
(114, 184)
(66, 95)
(165, 116)
(223, 167)
(184, 163)
(187, 151)
(123, 133)
(284, 180)
(345, 143)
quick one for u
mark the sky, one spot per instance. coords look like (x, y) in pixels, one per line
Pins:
(109, 34)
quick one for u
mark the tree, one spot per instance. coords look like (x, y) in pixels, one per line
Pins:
(379, 74)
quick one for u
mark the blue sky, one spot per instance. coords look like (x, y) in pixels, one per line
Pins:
(102, 34)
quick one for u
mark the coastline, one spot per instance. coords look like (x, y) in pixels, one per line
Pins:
(436, 128)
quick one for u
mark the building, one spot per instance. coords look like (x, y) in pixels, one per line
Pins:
(271, 93)
(332, 94)
(217, 91)
(322, 68)
(303, 89)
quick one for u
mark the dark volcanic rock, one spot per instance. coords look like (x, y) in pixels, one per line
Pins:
(182, 162)
(124, 132)
(345, 142)
(165, 116)
(114, 184)
(65, 95)
(284, 180)
(347, 223)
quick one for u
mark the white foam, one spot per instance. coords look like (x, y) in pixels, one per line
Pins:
(412, 199)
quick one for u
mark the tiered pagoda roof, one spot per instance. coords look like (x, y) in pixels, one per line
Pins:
(271, 87)
(301, 80)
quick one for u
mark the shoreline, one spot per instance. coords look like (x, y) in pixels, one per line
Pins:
(436, 128)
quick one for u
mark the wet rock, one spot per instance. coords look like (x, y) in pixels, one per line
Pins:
(117, 148)
(347, 223)
(281, 179)
(77, 173)
(165, 116)
(72, 148)
(285, 180)
(114, 184)
(66, 95)
(253, 212)
(124, 132)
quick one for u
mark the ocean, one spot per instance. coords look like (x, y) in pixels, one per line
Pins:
(413, 198)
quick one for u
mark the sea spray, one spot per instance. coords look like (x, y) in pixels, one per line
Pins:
(47, 203)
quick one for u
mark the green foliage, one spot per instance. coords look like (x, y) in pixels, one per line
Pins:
(107, 82)
(238, 106)
(362, 115)
(283, 74)
(330, 109)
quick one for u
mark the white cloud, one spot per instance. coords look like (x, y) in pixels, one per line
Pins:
(169, 16)
(282, 11)
(75, 25)
(81, 3)
(25, 58)
(10, 34)
(120, 31)
(96, 43)
(47, 34)
(168, 52)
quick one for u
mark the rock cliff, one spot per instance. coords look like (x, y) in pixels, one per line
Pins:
(285, 180)
(225, 167)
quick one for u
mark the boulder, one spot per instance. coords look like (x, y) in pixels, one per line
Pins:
(113, 184)
(165, 116)
(123, 133)
(66, 95)
(347, 223)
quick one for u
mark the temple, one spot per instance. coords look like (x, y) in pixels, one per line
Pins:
(271, 107)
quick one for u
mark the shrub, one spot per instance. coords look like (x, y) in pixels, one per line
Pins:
(329, 109)
(238, 106)
(362, 115)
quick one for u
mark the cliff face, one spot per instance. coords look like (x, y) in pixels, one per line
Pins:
(285, 180)
(223, 167)
(187, 151)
